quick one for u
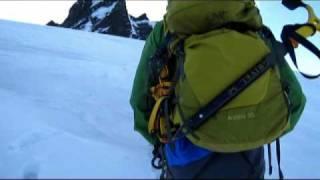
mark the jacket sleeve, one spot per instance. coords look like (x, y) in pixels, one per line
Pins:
(140, 90)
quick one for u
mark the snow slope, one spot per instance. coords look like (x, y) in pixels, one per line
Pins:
(64, 109)
(64, 105)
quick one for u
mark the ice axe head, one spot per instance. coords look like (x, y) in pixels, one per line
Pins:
(293, 4)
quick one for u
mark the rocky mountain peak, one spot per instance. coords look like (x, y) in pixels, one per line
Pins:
(107, 17)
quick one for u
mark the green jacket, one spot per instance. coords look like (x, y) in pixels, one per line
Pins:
(140, 92)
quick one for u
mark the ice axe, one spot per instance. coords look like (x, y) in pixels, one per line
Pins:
(293, 35)
(308, 29)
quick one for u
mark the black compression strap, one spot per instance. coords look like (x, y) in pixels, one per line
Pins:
(269, 159)
(288, 32)
(278, 149)
(225, 97)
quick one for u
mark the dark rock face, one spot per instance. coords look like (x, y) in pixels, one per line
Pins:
(107, 17)
(141, 26)
(52, 23)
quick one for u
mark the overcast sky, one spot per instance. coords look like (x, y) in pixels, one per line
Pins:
(41, 12)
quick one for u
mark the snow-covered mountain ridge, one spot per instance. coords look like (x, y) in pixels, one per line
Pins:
(106, 17)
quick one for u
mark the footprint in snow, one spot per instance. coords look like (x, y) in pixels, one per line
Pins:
(29, 139)
(31, 171)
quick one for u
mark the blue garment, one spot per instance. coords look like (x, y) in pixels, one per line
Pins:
(184, 152)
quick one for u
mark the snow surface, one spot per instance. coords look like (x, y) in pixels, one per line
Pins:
(65, 109)
(78, 23)
(133, 27)
(102, 12)
(88, 26)
(64, 105)
(95, 2)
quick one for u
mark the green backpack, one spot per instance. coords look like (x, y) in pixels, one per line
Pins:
(221, 80)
